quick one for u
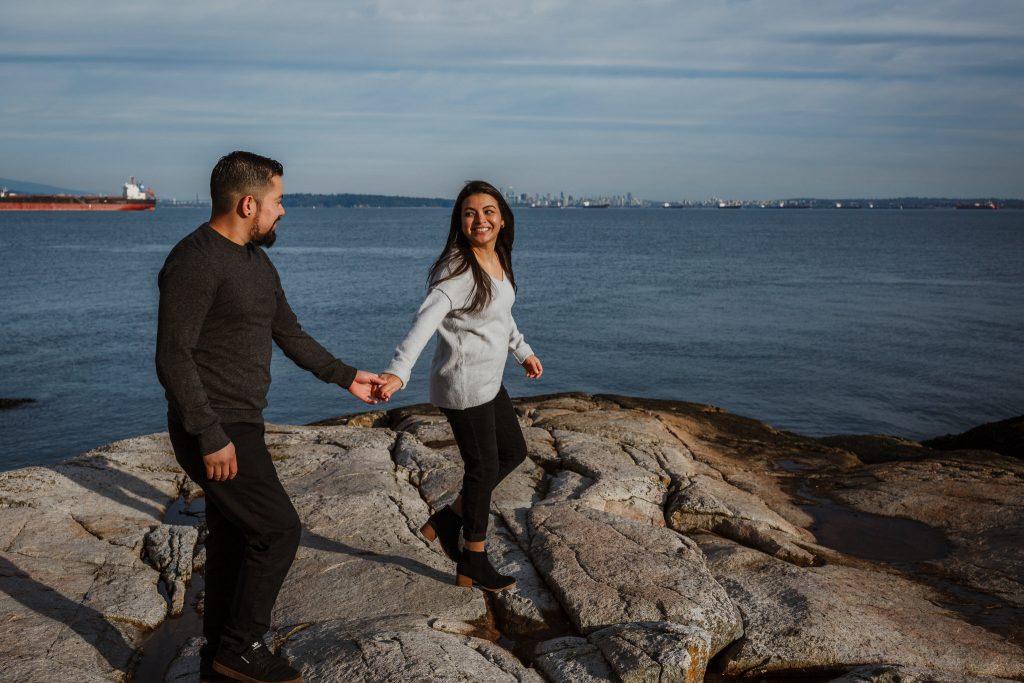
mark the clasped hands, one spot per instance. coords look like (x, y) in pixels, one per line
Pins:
(372, 388)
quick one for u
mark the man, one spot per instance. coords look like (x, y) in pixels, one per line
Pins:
(221, 307)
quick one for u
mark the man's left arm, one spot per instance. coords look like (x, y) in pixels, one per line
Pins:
(308, 354)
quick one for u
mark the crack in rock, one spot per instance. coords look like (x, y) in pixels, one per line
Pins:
(170, 548)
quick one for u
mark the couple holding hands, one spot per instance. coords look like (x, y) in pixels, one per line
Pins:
(222, 307)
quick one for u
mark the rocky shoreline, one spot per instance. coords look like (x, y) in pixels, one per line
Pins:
(651, 540)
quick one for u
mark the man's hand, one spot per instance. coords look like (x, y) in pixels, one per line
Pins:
(391, 384)
(221, 465)
(364, 386)
(533, 367)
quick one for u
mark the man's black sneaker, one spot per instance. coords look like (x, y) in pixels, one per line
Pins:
(255, 664)
(206, 672)
(208, 675)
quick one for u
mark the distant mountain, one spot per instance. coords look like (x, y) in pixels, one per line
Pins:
(35, 188)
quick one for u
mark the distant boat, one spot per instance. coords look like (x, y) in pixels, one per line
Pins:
(134, 197)
(729, 205)
(991, 206)
(591, 205)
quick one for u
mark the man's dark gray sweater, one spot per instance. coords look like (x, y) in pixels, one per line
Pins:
(221, 306)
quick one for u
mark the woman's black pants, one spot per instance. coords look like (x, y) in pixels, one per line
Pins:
(492, 445)
(254, 533)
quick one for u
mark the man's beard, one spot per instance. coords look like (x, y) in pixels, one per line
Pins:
(265, 240)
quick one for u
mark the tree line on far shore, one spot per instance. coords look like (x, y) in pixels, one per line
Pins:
(362, 200)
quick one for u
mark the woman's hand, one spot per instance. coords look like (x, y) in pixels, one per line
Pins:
(533, 367)
(364, 386)
(390, 385)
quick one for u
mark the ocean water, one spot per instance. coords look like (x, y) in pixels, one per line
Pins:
(821, 322)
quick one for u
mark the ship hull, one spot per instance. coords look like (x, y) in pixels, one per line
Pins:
(30, 203)
(978, 207)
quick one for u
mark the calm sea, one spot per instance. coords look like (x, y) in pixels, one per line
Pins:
(821, 322)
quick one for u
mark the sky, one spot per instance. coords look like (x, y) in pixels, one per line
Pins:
(669, 100)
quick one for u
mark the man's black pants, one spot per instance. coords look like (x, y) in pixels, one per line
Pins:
(492, 445)
(253, 535)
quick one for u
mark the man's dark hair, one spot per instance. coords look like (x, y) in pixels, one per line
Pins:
(239, 174)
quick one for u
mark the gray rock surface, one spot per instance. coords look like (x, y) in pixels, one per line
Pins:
(649, 539)
(635, 488)
(655, 651)
(435, 472)
(834, 616)
(361, 554)
(606, 570)
(529, 610)
(76, 598)
(397, 650)
(712, 504)
(540, 446)
(572, 659)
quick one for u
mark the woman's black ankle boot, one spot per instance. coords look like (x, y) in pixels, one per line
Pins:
(475, 569)
(445, 524)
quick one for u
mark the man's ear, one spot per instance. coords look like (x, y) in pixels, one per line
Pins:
(246, 206)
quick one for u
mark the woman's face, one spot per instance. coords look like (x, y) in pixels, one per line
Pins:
(481, 220)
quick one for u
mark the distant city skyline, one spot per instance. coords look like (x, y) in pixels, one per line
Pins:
(667, 100)
(561, 199)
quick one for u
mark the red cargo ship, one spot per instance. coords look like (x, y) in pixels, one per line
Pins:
(134, 197)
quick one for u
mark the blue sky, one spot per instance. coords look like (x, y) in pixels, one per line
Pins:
(668, 100)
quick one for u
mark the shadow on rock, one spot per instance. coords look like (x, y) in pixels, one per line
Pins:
(118, 486)
(89, 624)
(315, 541)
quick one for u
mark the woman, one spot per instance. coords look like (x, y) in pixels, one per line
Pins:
(469, 305)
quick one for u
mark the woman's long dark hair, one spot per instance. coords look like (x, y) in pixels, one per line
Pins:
(457, 256)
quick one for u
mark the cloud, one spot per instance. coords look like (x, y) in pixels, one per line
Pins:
(407, 94)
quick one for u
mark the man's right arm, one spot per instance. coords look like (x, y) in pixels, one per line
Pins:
(187, 290)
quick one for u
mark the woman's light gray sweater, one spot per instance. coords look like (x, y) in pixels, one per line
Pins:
(471, 347)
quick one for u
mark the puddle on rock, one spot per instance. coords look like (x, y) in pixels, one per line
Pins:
(186, 513)
(163, 644)
(870, 536)
(913, 548)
